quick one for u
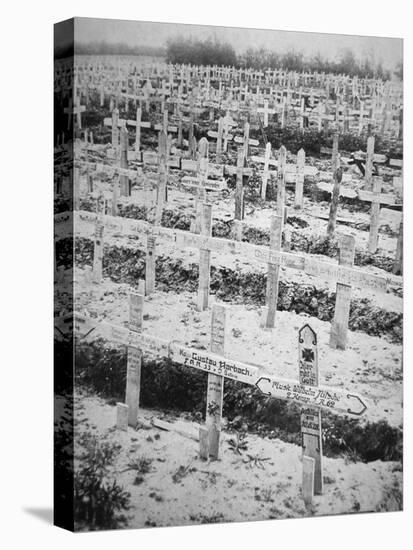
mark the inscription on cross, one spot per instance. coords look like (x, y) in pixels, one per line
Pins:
(310, 416)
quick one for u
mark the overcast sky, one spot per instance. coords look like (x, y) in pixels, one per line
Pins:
(389, 50)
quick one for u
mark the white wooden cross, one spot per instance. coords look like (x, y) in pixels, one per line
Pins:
(138, 124)
(218, 136)
(228, 123)
(165, 124)
(115, 123)
(266, 111)
(246, 140)
(266, 173)
(78, 110)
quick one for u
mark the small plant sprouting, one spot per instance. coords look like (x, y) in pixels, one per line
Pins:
(182, 472)
(264, 495)
(238, 444)
(141, 465)
(255, 461)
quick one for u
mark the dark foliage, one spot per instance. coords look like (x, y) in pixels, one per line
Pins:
(99, 500)
(200, 52)
(168, 385)
(124, 265)
(118, 48)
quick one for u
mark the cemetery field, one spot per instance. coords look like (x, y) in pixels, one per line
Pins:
(229, 278)
(174, 315)
(171, 485)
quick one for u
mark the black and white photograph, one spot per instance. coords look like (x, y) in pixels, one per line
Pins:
(228, 274)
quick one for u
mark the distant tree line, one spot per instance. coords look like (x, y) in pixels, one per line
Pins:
(119, 48)
(201, 52)
(213, 52)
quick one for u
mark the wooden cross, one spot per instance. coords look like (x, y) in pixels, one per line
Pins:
(398, 261)
(204, 259)
(162, 177)
(115, 123)
(134, 359)
(239, 190)
(165, 125)
(246, 140)
(369, 162)
(78, 110)
(335, 195)
(282, 159)
(202, 165)
(374, 216)
(339, 325)
(299, 179)
(227, 124)
(266, 111)
(209, 437)
(266, 173)
(273, 273)
(311, 435)
(218, 136)
(98, 250)
(125, 189)
(138, 124)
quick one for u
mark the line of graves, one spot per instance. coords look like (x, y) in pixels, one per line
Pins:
(147, 235)
(352, 104)
(201, 184)
(222, 136)
(306, 390)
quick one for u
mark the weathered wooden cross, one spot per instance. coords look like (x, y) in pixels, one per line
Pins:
(266, 111)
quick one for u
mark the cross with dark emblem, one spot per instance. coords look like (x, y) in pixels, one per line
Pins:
(308, 354)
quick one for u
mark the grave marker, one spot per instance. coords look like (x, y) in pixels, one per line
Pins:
(369, 163)
(218, 136)
(201, 181)
(239, 190)
(299, 179)
(308, 480)
(273, 270)
(266, 173)
(398, 261)
(139, 124)
(76, 187)
(78, 110)
(204, 259)
(310, 416)
(122, 416)
(281, 181)
(115, 123)
(339, 325)
(134, 364)
(115, 195)
(375, 216)
(333, 399)
(266, 111)
(162, 177)
(335, 195)
(98, 251)
(150, 259)
(215, 387)
(125, 190)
